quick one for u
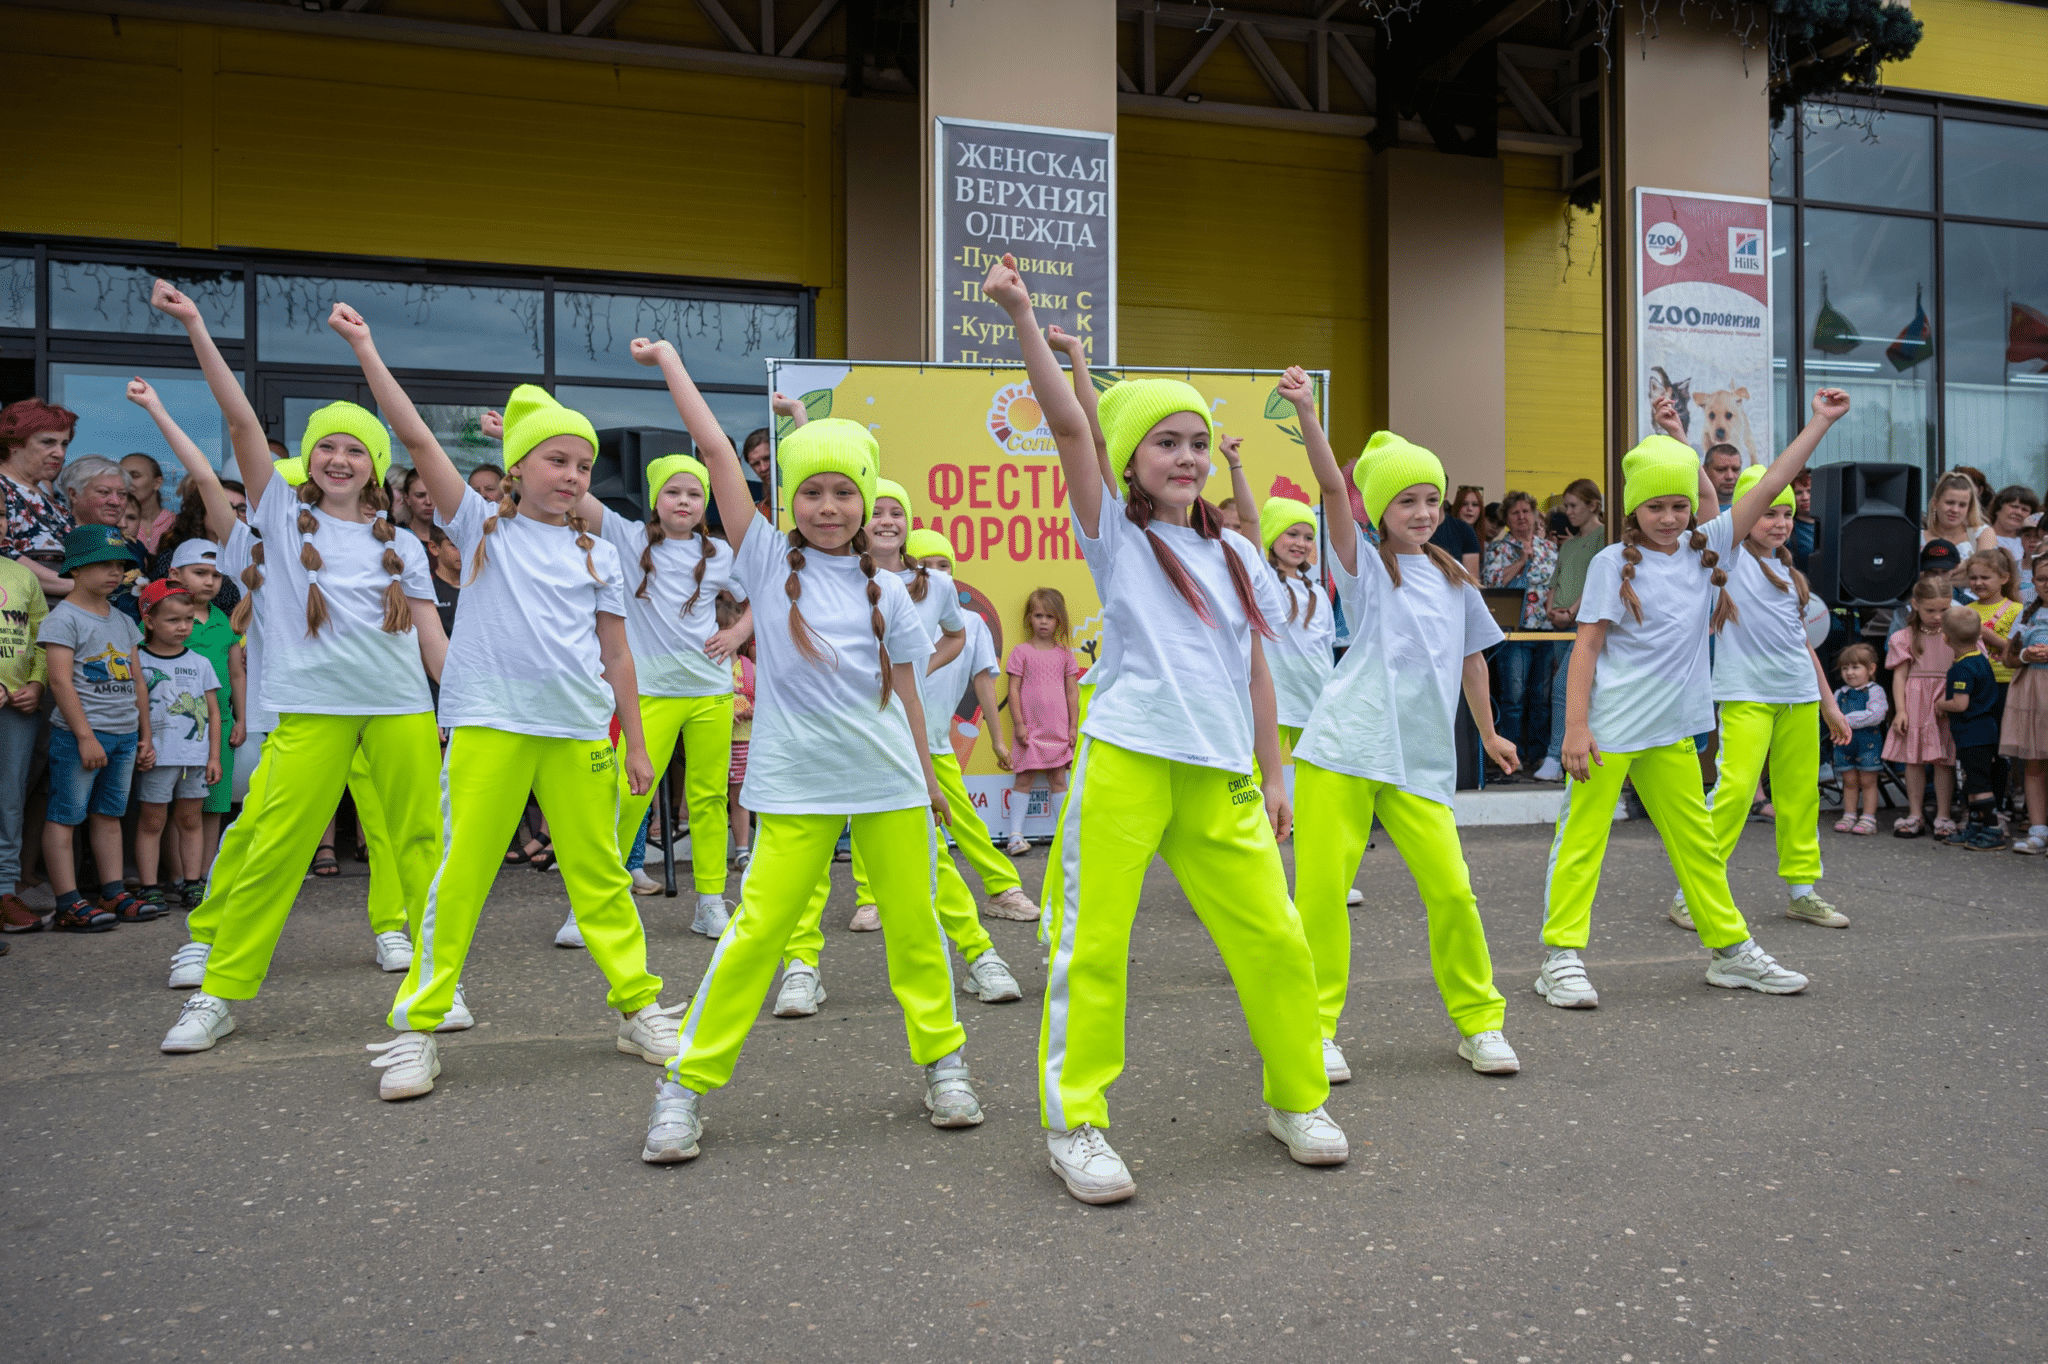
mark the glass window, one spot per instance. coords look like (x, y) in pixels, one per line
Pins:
(418, 326)
(1781, 159)
(17, 291)
(1990, 170)
(110, 425)
(90, 296)
(1853, 157)
(1868, 300)
(737, 413)
(722, 343)
(1784, 319)
(1996, 352)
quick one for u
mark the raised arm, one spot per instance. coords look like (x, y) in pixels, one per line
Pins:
(220, 517)
(793, 408)
(728, 483)
(1664, 413)
(1240, 486)
(444, 481)
(1297, 388)
(1830, 405)
(245, 432)
(1076, 351)
(1063, 412)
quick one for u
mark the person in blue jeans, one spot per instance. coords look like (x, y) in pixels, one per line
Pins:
(1523, 557)
(100, 729)
(1584, 508)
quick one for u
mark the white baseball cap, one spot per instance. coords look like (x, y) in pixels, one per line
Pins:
(195, 552)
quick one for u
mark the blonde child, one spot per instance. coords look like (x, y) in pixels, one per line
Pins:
(1860, 762)
(1303, 656)
(184, 718)
(1994, 579)
(1919, 657)
(740, 821)
(2024, 733)
(1045, 707)
(1969, 706)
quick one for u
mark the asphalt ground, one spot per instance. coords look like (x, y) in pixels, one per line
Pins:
(1684, 1174)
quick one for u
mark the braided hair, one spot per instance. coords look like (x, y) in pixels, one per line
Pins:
(1798, 582)
(656, 533)
(1138, 510)
(508, 508)
(1454, 572)
(1632, 554)
(375, 499)
(800, 632)
(1287, 576)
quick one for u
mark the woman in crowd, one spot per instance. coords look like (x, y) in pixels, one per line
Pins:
(1525, 559)
(1585, 511)
(34, 437)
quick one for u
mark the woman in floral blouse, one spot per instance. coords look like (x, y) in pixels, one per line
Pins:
(33, 438)
(1523, 558)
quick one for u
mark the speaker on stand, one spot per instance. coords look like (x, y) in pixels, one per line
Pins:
(1869, 533)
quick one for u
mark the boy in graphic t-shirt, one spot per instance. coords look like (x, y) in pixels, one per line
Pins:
(195, 567)
(184, 716)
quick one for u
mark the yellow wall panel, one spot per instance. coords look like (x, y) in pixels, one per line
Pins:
(1978, 48)
(1555, 384)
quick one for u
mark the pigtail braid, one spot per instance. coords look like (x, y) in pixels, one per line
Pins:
(867, 566)
(655, 535)
(1631, 555)
(244, 613)
(922, 583)
(1725, 610)
(317, 617)
(1287, 577)
(800, 632)
(397, 610)
(704, 552)
(584, 543)
(508, 507)
(1799, 582)
(1391, 561)
(1454, 572)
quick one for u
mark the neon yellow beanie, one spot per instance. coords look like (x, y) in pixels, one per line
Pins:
(667, 467)
(1131, 408)
(887, 487)
(1660, 467)
(339, 419)
(1390, 466)
(1754, 475)
(532, 416)
(1278, 514)
(927, 544)
(832, 445)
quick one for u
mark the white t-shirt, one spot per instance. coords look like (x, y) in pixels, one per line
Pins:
(1178, 689)
(1302, 659)
(1652, 685)
(233, 558)
(351, 667)
(940, 609)
(1390, 711)
(823, 742)
(524, 655)
(943, 689)
(667, 642)
(177, 706)
(1761, 655)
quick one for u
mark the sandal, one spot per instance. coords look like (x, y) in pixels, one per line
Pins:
(1908, 826)
(544, 860)
(1760, 812)
(1944, 830)
(1865, 824)
(324, 862)
(1846, 824)
(82, 916)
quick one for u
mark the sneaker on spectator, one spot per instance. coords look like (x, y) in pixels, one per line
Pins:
(188, 965)
(17, 917)
(82, 916)
(394, 951)
(643, 884)
(1550, 770)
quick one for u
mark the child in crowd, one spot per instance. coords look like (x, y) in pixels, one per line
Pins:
(2011, 510)
(2024, 734)
(101, 729)
(184, 717)
(22, 683)
(1918, 655)
(1860, 762)
(742, 735)
(1970, 706)
(195, 567)
(1045, 703)
(1994, 579)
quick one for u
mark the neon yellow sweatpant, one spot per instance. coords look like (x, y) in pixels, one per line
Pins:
(1332, 824)
(793, 850)
(484, 782)
(1788, 737)
(1210, 827)
(389, 910)
(203, 923)
(704, 726)
(305, 764)
(970, 833)
(1668, 781)
(958, 913)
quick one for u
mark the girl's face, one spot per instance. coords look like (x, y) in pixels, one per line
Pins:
(1772, 529)
(1412, 517)
(2009, 517)
(1663, 519)
(888, 527)
(2041, 578)
(1044, 624)
(1172, 462)
(680, 506)
(1855, 674)
(827, 509)
(553, 478)
(1469, 508)
(1984, 580)
(131, 520)
(1296, 545)
(1580, 514)
(1928, 611)
(340, 467)
(1953, 508)
(420, 503)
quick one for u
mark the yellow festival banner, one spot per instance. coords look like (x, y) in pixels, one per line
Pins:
(970, 445)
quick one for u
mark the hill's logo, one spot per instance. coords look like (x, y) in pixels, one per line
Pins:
(1017, 423)
(1745, 251)
(1665, 243)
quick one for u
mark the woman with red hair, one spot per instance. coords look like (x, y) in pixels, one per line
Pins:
(34, 436)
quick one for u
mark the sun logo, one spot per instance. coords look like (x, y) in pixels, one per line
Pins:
(1017, 423)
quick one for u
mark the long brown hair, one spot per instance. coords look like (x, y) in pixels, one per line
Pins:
(800, 632)
(656, 533)
(376, 500)
(1724, 610)
(1050, 601)
(1286, 576)
(508, 507)
(1929, 587)
(1632, 554)
(1138, 509)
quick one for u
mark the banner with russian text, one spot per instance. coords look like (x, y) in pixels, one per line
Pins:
(1703, 317)
(970, 445)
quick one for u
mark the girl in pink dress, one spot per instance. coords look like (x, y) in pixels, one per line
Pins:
(1919, 656)
(1045, 707)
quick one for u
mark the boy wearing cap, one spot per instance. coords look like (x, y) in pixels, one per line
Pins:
(101, 728)
(195, 567)
(184, 718)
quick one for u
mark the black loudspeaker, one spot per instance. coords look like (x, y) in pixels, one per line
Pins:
(619, 478)
(1869, 533)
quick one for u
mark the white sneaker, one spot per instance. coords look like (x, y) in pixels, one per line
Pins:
(1749, 967)
(1563, 982)
(949, 1093)
(674, 1126)
(1312, 1138)
(643, 884)
(802, 992)
(866, 919)
(569, 935)
(1550, 769)
(1011, 904)
(1019, 846)
(458, 1018)
(712, 916)
(653, 1033)
(204, 1021)
(1092, 1171)
(394, 951)
(1490, 1053)
(1680, 915)
(188, 965)
(1334, 1064)
(410, 1062)
(1354, 897)
(1811, 909)
(989, 980)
